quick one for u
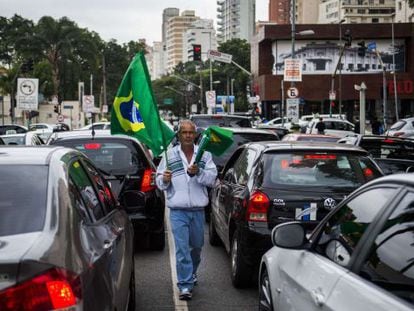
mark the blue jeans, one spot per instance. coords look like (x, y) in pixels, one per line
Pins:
(188, 230)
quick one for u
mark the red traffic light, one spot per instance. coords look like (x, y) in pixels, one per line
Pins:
(197, 52)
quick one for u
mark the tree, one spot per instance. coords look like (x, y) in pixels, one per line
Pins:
(411, 3)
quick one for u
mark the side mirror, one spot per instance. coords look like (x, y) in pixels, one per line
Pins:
(289, 235)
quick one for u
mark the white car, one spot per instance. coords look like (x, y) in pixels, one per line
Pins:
(333, 126)
(359, 258)
(402, 128)
(279, 121)
(96, 126)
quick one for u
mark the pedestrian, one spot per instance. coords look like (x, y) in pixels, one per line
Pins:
(376, 126)
(185, 183)
(320, 126)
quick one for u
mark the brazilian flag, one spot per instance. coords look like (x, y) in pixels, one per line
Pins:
(134, 111)
(216, 140)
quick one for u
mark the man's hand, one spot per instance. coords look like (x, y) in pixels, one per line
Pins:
(192, 170)
(166, 176)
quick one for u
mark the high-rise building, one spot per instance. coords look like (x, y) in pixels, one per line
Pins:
(157, 60)
(176, 27)
(306, 11)
(279, 11)
(236, 19)
(403, 13)
(166, 15)
(356, 11)
(200, 32)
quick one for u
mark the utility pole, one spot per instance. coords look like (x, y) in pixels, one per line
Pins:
(361, 89)
(104, 82)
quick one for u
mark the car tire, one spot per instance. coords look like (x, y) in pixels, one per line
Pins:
(213, 237)
(131, 301)
(157, 241)
(241, 272)
(265, 293)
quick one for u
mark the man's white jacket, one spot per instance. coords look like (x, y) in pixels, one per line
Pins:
(184, 191)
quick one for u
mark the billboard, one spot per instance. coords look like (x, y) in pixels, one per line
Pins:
(321, 56)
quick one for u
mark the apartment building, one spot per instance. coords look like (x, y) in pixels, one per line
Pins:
(236, 19)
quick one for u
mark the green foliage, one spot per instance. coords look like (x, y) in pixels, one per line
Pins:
(411, 3)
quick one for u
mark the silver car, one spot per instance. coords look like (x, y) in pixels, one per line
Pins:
(360, 257)
(402, 128)
(65, 242)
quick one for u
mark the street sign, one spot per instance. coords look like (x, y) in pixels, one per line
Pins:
(372, 46)
(332, 95)
(211, 99)
(219, 56)
(168, 101)
(292, 92)
(27, 93)
(104, 108)
(67, 107)
(88, 103)
(293, 70)
(292, 109)
(60, 118)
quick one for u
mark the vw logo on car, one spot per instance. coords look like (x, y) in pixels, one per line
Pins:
(329, 203)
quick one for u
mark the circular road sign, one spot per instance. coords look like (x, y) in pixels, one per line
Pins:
(60, 118)
(292, 92)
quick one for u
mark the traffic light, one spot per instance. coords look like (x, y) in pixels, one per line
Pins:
(361, 48)
(56, 109)
(197, 52)
(347, 38)
(27, 66)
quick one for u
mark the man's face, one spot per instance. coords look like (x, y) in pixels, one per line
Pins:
(187, 134)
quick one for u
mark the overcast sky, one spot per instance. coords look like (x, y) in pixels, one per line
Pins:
(123, 20)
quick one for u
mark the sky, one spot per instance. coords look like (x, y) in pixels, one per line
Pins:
(123, 20)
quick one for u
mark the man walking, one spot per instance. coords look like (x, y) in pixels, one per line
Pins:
(186, 184)
(320, 126)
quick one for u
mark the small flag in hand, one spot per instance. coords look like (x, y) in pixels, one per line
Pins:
(216, 140)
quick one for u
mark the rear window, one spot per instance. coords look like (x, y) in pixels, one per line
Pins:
(318, 138)
(333, 170)
(240, 139)
(23, 205)
(389, 148)
(14, 140)
(115, 158)
(398, 125)
(219, 120)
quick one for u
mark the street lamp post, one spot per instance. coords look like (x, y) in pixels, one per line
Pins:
(340, 68)
(394, 69)
(293, 28)
(182, 94)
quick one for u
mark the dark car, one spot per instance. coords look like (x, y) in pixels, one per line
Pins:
(393, 154)
(264, 184)
(126, 163)
(202, 121)
(12, 129)
(360, 256)
(65, 242)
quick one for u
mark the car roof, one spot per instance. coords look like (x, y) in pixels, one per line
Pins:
(306, 145)
(405, 178)
(27, 154)
(241, 130)
(217, 116)
(85, 135)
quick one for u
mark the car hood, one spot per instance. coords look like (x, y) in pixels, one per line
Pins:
(12, 251)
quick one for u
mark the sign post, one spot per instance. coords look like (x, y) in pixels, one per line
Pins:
(210, 100)
(293, 70)
(27, 94)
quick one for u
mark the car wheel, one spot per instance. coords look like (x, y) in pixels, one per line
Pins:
(213, 237)
(265, 293)
(131, 301)
(240, 270)
(157, 241)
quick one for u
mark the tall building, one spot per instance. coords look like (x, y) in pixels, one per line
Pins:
(176, 27)
(279, 11)
(157, 60)
(356, 11)
(166, 15)
(236, 19)
(403, 13)
(200, 32)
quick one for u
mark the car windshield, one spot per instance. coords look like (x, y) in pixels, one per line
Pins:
(318, 169)
(389, 148)
(113, 157)
(23, 205)
(240, 139)
(219, 120)
(397, 126)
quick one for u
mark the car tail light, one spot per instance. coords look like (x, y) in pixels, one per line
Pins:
(320, 156)
(54, 289)
(92, 146)
(257, 207)
(398, 134)
(148, 182)
(389, 141)
(368, 172)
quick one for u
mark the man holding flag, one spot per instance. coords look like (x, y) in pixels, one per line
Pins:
(185, 182)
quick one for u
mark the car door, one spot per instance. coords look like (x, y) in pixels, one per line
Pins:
(386, 272)
(101, 237)
(308, 277)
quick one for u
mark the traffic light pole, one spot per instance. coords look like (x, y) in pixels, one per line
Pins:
(333, 78)
(384, 91)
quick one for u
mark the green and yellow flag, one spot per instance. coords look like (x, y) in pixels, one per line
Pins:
(216, 140)
(134, 111)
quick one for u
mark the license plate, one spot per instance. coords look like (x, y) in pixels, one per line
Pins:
(307, 212)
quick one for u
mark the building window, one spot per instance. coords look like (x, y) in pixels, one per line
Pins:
(375, 20)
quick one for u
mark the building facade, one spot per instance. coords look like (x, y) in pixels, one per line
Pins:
(236, 19)
(403, 13)
(176, 27)
(200, 32)
(319, 55)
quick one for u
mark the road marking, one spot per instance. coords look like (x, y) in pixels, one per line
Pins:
(180, 305)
